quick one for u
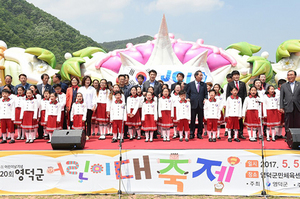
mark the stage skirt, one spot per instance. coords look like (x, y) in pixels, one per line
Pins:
(165, 121)
(7, 124)
(233, 123)
(101, 115)
(60, 125)
(212, 124)
(281, 116)
(17, 121)
(78, 123)
(221, 120)
(135, 120)
(28, 122)
(42, 118)
(183, 124)
(94, 117)
(52, 123)
(149, 124)
(175, 117)
(272, 118)
(117, 126)
(252, 119)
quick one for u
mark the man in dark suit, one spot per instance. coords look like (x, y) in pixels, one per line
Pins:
(196, 92)
(23, 80)
(44, 86)
(8, 80)
(179, 77)
(290, 101)
(241, 86)
(153, 83)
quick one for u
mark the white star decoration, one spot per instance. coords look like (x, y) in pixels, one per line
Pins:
(164, 60)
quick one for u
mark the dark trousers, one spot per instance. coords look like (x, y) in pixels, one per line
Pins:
(241, 123)
(88, 124)
(194, 112)
(41, 131)
(292, 119)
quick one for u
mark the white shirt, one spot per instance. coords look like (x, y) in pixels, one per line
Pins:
(149, 109)
(233, 107)
(53, 109)
(292, 84)
(102, 97)
(7, 109)
(270, 103)
(117, 111)
(29, 105)
(89, 96)
(252, 103)
(19, 100)
(165, 104)
(108, 104)
(212, 109)
(78, 109)
(38, 99)
(43, 106)
(221, 100)
(62, 100)
(183, 110)
(133, 103)
(175, 98)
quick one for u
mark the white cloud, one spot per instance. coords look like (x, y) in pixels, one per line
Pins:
(177, 7)
(104, 10)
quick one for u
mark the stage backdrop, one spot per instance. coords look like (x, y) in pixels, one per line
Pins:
(209, 172)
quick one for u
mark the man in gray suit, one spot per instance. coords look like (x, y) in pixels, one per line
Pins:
(290, 101)
(44, 86)
(153, 83)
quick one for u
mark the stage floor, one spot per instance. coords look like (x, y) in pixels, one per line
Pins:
(195, 143)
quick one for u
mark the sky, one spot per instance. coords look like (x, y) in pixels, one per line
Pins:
(266, 23)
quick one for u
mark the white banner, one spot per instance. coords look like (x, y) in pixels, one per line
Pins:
(209, 172)
(165, 73)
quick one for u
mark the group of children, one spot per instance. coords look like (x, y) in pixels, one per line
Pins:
(260, 110)
(27, 110)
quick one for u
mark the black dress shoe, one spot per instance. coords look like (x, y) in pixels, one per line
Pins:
(3, 141)
(236, 139)
(192, 136)
(199, 137)
(210, 140)
(229, 140)
(226, 133)
(205, 133)
(214, 139)
(12, 141)
(242, 137)
(125, 137)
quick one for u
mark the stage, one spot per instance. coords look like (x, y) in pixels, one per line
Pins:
(94, 144)
(197, 167)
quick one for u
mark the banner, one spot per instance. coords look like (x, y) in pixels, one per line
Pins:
(182, 172)
(167, 74)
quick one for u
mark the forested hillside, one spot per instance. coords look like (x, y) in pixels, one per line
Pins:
(24, 25)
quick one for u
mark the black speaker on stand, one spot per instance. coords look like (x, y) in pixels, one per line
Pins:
(68, 139)
(293, 138)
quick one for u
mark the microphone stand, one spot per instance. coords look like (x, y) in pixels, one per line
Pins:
(263, 193)
(120, 150)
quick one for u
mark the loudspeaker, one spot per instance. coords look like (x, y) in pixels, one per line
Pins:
(293, 138)
(68, 139)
